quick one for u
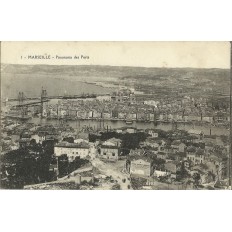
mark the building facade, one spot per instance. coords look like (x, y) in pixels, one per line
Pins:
(72, 150)
(109, 152)
(141, 167)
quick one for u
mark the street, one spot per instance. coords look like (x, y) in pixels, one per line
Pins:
(114, 170)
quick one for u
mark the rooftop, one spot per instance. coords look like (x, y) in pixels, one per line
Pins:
(72, 145)
(194, 131)
(176, 142)
(109, 146)
(191, 149)
(142, 161)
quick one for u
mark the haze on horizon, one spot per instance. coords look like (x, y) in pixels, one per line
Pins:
(137, 54)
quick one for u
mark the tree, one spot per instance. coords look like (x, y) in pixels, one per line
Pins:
(116, 187)
(225, 139)
(182, 173)
(196, 179)
(69, 139)
(32, 142)
(132, 141)
(158, 163)
(31, 164)
(63, 165)
(138, 183)
(48, 146)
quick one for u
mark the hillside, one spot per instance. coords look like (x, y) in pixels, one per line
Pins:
(60, 79)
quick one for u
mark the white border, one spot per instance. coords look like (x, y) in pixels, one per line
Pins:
(120, 20)
(104, 20)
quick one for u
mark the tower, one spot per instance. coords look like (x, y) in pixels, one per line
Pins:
(42, 99)
(21, 98)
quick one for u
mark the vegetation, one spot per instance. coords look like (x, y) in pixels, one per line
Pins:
(69, 139)
(225, 139)
(31, 165)
(182, 173)
(26, 166)
(129, 141)
(196, 179)
(138, 183)
(65, 166)
(116, 187)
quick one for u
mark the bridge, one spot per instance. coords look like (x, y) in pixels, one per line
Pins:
(75, 96)
(31, 103)
(23, 104)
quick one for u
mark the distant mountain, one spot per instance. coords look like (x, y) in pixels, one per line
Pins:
(100, 69)
(58, 79)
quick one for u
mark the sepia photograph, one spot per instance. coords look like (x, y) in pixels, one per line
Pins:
(115, 116)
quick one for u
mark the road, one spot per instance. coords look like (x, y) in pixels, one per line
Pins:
(112, 169)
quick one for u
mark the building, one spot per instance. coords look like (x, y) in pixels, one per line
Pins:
(62, 113)
(114, 113)
(220, 117)
(24, 142)
(153, 133)
(44, 135)
(82, 114)
(152, 145)
(122, 115)
(207, 177)
(109, 152)
(96, 114)
(113, 142)
(162, 155)
(110, 149)
(172, 167)
(178, 146)
(123, 95)
(53, 168)
(72, 150)
(137, 152)
(156, 144)
(103, 98)
(141, 167)
(197, 156)
(119, 130)
(37, 138)
(198, 133)
(83, 135)
(14, 146)
(194, 117)
(130, 130)
(160, 173)
(80, 141)
(106, 115)
(207, 118)
(151, 103)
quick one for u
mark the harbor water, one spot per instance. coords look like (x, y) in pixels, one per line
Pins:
(97, 124)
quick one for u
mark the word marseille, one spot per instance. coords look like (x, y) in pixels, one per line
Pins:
(49, 57)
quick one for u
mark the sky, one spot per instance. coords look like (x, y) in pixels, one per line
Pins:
(142, 54)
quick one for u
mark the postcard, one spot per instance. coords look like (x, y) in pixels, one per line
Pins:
(116, 115)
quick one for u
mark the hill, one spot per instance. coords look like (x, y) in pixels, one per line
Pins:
(80, 79)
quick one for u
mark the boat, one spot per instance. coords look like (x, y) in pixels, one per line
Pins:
(20, 117)
(129, 121)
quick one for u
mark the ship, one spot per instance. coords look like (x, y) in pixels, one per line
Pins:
(20, 117)
(129, 121)
(83, 96)
(16, 114)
